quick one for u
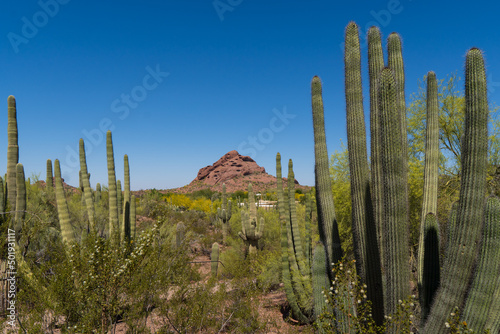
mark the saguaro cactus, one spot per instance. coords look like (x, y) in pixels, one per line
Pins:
(49, 180)
(87, 191)
(62, 207)
(224, 213)
(97, 196)
(2, 201)
(214, 258)
(20, 200)
(251, 228)
(114, 232)
(12, 152)
(132, 216)
(125, 230)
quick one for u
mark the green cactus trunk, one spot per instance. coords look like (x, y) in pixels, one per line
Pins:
(252, 228)
(375, 66)
(327, 223)
(464, 244)
(132, 216)
(480, 300)
(294, 287)
(49, 181)
(396, 252)
(224, 214)
(320, 280)
(119, 198)
(429, 228)
(87, 191)
(125, 230)
(2, 202)
(364, 229)
(214, 258)
(62, 207)
(114, 232)
(431, 270)
(20, 200)
(12, 152)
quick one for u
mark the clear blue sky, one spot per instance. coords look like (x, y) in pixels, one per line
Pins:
(200, 82)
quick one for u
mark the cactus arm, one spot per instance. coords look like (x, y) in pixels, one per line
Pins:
(12, 152)
(87, 191)
(62, 207)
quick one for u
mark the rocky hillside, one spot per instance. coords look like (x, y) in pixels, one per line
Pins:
(235, 171)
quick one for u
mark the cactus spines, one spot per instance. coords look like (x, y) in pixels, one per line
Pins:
(363, 224)
(87, 191)
(132, 216)
(431, 272)
(224, 213)
(320, 279)
(214, 259)
(119, 197)
(12, 152)
(2, 201)
(480, 299)
(396, 253)
(179, 233)
(429, 229)
(62, 207)
(20, 199)
(114, 232)
(327, 223)
(461, 253)
(49, 181)
(375, 66)
(125, 231)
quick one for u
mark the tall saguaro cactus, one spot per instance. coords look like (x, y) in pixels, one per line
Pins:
(12, 152)
(49, 180)
(114, 232)
(20, 199)
(252, 228)
(62, 207)
(461, 254)
(125, 230)
(87, 191)
(224, 213)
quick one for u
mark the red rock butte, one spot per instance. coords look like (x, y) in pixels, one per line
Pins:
(235, 171)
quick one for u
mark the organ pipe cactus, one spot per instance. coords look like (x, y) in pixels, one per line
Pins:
(12, 152)
(2, 201)
(428, 250)
(395, 237)
(20, 200)
(251, 228)
(87, 191)
(327, 222)
(481, 298)
(114, 232)
(119, 198)
(132, 216)
(297, 287)
(49, 181)
(460, 257)
(366, 248)
(125, 222)
(224, 213)
(62, 207)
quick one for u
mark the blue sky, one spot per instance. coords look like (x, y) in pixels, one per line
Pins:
(183, 82)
